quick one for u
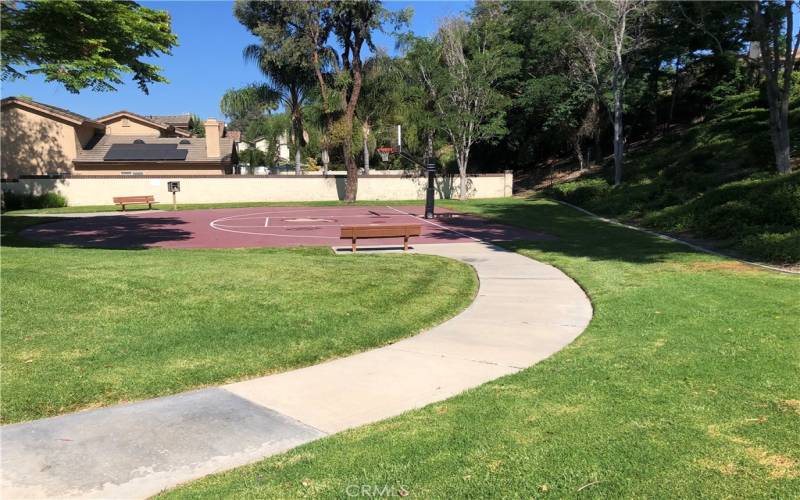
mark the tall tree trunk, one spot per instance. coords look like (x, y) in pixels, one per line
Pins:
(463, 159)
(326, 160)
(779, 130)
(365, 134)
(428, 156)
(619, 139)
(298, 162)
(351, 184)
(576, 144)
(778, 59)
(298, 154)
(297, 131)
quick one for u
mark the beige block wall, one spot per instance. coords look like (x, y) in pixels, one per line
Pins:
(177, 170)
(99, 191)
(344, 172)
(37, 144)
(117, 126)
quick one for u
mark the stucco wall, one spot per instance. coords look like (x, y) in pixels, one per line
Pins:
(344, 172)
(117, 127)
(37, 144)
(99, 191)
(164, 169)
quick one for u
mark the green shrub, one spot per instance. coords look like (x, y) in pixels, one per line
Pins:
(580, 191)
(675, 219)
(15, 201)
(784, 201)
(776, 247)
(731, 219)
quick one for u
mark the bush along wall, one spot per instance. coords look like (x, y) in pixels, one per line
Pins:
(14, 201)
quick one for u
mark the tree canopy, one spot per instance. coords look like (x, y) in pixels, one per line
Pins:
(84, 44)
(523, 84)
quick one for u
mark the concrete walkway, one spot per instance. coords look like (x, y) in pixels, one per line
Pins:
(524, 312)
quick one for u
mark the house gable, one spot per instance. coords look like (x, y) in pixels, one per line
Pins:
(126, 123)
(37, 139)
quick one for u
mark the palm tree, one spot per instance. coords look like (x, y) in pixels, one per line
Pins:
(380, 96)
(287, 83)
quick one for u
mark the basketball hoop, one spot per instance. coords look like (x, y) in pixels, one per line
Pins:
(385, 152)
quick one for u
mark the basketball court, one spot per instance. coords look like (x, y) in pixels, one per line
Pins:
(268, 227)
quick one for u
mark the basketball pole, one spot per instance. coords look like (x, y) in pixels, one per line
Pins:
(430, 169)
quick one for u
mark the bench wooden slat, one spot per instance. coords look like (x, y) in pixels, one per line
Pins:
(404, 231)
(148, 200)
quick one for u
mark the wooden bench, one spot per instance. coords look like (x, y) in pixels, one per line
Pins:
(404, 231)
(149, 200)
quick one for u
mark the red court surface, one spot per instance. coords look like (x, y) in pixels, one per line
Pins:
(267, 227)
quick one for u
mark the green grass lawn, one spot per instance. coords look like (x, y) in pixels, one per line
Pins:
(686, 384)
(84, 328)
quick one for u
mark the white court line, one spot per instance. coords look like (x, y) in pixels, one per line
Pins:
(300, 209)
(437, 225)
(310, 210)
(219, 224)
(214, 226)
(381, 216)
(274, 226)
(335, 216)
(254, 220)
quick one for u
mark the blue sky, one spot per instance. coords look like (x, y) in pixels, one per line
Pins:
(207, 62)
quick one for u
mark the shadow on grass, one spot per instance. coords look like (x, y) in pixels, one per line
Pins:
(109, 232)
(577, 235)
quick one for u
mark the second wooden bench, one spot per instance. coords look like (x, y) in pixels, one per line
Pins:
(404, 231)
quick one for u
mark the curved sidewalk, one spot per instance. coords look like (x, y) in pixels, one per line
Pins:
(524, 312)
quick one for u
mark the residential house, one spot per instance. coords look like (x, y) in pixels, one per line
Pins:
(127, 123)
(37, 139)
(261, 144)
(43, 140)
(181, 123)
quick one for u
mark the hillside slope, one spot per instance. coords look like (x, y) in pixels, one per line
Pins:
(714, 180)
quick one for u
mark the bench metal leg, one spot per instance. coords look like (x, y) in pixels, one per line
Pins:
(354, 244)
